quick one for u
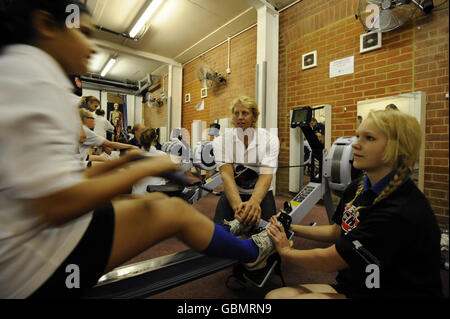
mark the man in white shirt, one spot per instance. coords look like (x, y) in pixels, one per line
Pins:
(247, 158)
(102, 125)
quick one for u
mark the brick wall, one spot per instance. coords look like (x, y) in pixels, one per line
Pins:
(431, 76)
(413, 58)
(241, 81)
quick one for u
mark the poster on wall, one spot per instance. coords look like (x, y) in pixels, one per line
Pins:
(342, 67)
(200, 106)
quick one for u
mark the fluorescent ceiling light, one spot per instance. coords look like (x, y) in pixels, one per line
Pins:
(97, 62)
(108, 67)
(145, 17)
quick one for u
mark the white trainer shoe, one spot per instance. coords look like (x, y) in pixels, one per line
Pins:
(266, 249)
(238, 229)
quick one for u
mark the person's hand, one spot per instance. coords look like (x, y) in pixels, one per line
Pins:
(129, 147)
(282, 211)
(161, 164)
(278, 236)
(249, 213)
(236, 210)
(166, 163)
(133, 153)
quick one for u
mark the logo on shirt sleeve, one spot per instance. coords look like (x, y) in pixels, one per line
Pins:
(350, 219)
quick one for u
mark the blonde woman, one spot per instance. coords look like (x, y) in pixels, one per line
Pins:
(90, 103)
(386, 238)
(241, 154)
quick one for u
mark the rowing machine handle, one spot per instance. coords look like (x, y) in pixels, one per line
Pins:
(176, 176)
(286, 221)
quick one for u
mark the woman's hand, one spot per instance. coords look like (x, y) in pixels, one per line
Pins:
(278, 236)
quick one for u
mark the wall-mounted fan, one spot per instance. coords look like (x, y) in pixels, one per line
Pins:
(387, 15)
(153, 100)
(148, 98)
(158, 102)
(208, 77)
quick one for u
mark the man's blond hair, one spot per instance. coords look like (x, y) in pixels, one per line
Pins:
(248, 103)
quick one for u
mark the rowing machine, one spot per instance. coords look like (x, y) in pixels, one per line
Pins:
(156, 275)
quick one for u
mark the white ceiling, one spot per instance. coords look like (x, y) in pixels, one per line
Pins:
(179, 31)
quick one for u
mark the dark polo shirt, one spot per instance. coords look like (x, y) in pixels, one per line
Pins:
(399, 235)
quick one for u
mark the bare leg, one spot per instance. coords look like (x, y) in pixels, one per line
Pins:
(143, 222)
(307, 291)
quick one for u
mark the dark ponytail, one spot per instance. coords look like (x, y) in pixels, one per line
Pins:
(148, 136)
(16, 17)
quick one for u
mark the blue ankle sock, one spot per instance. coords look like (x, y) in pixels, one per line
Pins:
(223, 244)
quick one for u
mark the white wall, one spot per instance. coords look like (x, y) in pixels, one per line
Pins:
(131, 101)
(87, 92)
(138, 117)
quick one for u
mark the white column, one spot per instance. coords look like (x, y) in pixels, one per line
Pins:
(267, 61)
(174, 98)
(104, 102)
(138, 117)
(131, 100)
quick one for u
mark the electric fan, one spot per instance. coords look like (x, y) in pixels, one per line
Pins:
(387, 15)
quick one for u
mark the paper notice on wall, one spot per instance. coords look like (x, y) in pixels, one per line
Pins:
(342, 67)
(200, 106)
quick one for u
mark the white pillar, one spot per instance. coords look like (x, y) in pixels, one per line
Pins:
(131, 100)
(138, 116)
(104, 102)
(267, 63)
(174, 97)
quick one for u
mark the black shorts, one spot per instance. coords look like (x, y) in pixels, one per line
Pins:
(91, 255)
(341, 290)
(225, 211)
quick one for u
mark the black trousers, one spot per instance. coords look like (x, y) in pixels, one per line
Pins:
(224, 210)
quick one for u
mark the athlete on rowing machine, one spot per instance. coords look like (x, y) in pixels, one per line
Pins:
(57, 216)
